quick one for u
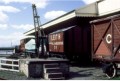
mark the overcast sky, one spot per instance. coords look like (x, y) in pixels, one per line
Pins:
(16, 16)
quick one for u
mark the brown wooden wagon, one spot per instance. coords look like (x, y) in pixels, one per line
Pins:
(71, 42)
(106, 43)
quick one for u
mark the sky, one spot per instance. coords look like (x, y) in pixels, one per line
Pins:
(16, 16)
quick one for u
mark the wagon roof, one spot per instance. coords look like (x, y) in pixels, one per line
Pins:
(105, 19)
(62, 30)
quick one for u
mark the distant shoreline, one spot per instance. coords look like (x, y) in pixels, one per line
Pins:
(6, 51)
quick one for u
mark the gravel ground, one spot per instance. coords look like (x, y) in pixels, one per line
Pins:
(86, 73)
(76, 73)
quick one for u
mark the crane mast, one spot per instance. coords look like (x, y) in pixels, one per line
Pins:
(39, 34)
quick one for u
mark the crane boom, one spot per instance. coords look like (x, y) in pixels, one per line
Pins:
(36, 25)
(39, 34)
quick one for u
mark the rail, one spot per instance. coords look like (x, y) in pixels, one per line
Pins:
(9, 64)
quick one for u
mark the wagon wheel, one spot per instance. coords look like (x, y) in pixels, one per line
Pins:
(111, 71)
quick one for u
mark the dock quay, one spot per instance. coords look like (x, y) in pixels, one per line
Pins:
(48, 69)
(76, 73)
(78, 41)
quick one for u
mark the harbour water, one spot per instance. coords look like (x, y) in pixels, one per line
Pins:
(6, 51)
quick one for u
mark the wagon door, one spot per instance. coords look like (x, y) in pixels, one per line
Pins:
(102, 40)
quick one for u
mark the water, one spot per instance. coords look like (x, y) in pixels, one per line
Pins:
(6, 51)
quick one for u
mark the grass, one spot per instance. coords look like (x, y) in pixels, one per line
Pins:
(21, 74)
(116, 78)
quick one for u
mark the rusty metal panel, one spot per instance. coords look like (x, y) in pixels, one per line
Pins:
(22, 45)
(56, 42)
(106, 38)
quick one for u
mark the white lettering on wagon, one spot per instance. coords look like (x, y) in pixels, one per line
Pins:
(109, 38)
(56, 43)
(55, 37)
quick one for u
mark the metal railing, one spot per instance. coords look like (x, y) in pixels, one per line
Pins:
(9, 64)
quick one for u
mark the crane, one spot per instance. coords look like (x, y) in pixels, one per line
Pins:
(39, 34)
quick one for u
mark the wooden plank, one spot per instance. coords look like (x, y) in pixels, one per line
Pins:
(9, 59)
(9, 69)
(9, 64)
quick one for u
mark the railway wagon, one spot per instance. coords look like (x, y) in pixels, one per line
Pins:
(106, 43)
(70, 42)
